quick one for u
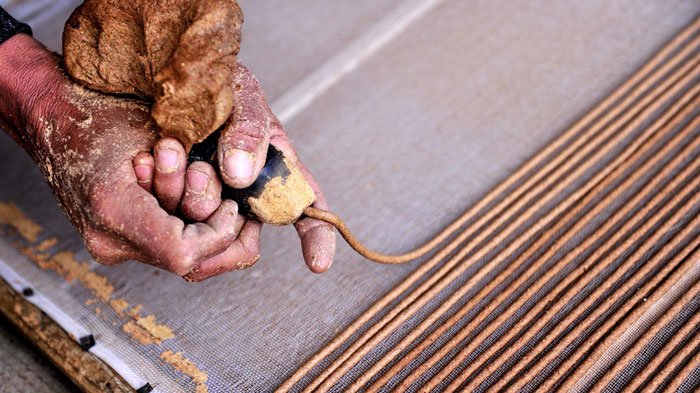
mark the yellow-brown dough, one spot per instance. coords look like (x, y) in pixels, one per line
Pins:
(179, 53)
(283, 200)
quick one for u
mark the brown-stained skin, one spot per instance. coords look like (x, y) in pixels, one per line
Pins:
(84, 143)
(179, 53)
(251, 127)
(93, 149)
(182, 55)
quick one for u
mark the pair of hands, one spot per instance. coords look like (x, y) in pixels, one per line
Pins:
(127, 192)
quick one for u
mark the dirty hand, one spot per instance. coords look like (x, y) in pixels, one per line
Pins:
(242, 151)
(182, 55)
(84, 143)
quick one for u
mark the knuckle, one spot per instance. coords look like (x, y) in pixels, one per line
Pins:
(101, 252)
(192, 278)
(251, 129)
(179, 260)
(246, 135)
(195, 276)
(94, 247)
(109, 259)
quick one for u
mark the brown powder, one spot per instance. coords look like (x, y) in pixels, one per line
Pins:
(46, 244)
(42, 260)
(119, 305)
(138, 333)
(86, 99)
(136, 311)
(180, 54)
(65, 264)
(11, 215)
(283, 201)
(145, 330)
(30, 317)
(157, 331)
(188, 368)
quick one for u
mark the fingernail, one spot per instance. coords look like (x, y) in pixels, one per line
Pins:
(238, 165)
(197, 181)
(167, 160)
(144, 173)
(319, 261)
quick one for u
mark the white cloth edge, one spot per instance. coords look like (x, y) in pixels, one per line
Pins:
(19, 283)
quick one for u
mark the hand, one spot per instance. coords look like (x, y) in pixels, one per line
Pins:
(84, 144)
(242, 149)
(184, 58)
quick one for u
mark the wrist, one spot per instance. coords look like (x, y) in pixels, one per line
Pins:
(27, 76)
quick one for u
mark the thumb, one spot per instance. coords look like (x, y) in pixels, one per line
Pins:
(242, 153)
(244, 140)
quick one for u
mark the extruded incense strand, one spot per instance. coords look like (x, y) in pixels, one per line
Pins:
(361, 249)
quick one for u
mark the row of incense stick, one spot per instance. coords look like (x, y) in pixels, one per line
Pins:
(579, 271)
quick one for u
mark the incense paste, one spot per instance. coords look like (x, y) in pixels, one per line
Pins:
(181, 54)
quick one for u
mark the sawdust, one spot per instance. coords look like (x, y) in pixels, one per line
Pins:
(42, 260)
(136, 311)
(138, 334)
(119, 305)
(180, 54)
(144, 329)
(188, 368)
(66, 265)
(158, 332)
(86, 99)
(283, 201)
(46, 244)
(11, 215)
(32, 319)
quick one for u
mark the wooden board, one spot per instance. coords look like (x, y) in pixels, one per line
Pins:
(85, 369)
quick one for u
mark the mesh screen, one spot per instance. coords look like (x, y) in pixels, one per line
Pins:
(423, 129)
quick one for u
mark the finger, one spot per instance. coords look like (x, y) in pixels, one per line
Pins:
(317, 237)
(169, 178)
(165, 240)
(144, 166)
(218, 232)
(242, 254)
(202, 191)
(318, 240)
(244, 140)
